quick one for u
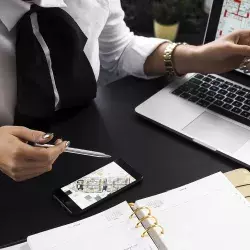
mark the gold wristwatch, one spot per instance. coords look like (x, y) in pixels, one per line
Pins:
(168, 60)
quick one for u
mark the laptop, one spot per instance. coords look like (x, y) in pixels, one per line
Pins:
(211, 110)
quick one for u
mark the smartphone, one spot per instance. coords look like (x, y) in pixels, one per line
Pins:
(96, 187)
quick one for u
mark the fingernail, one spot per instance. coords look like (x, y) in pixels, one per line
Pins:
(48, 135)
(67, 144)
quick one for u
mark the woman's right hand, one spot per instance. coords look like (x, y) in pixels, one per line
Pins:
(19, 160)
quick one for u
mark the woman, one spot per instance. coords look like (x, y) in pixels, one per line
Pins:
(120, 52)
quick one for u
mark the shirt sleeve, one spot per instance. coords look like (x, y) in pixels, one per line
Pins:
(121, 52)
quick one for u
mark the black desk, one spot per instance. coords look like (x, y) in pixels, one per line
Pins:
(166, 161)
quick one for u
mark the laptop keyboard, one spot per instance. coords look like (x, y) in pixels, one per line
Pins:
(218, 95)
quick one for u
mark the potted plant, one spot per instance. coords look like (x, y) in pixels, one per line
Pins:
(167, 15)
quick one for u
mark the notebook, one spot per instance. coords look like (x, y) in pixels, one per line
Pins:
(206, 214)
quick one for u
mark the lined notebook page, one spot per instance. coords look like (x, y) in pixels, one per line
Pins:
(207, 214)
(111, 229)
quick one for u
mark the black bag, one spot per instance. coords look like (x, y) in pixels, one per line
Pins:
(49, 49)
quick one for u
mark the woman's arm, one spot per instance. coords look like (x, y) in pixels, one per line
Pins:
(222, 55)
(121, 52)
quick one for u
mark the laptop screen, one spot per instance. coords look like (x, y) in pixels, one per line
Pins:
(235, 15)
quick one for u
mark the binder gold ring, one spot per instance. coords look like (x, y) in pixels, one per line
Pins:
(145, 218)
(138, 209)
(131, 204)
(151, 227)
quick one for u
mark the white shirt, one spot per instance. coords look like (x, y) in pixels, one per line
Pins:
(110, 43)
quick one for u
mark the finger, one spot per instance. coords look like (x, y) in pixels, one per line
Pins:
(238, 34)
(242, 50)
(45, 138)
(43, 154)
(58, 141)
(26, 134)
(24, 141)
(246, 70)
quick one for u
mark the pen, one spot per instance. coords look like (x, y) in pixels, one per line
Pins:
(76, 151)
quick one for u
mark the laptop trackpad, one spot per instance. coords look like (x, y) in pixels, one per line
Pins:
(217, 132)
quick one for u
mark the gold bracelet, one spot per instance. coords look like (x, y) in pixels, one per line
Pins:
(168, 60)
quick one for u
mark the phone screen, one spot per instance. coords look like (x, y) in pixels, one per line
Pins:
(99, 184)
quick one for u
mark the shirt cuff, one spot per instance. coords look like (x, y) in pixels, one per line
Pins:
(136, 54)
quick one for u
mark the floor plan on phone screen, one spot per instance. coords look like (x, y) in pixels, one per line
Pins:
(98, 185)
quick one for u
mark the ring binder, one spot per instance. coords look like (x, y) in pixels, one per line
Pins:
(151, 227)
(148, 216)
(145, 218)
(138, 209)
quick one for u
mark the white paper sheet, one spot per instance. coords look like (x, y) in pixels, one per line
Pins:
(111, 229)
(207, 214)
